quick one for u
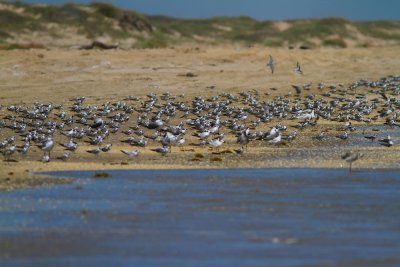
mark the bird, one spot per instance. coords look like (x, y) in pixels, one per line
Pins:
(350, 157)
(95, 151)
(203, 135)
(162, 150)
(240, 150)
(297, 88)
(320, 136)
(45, 158)
(9, 151)
(243, 137)
(343, 136)
(65, 156)
(131, 154)
(298, 69)
(271, 64)
(106, 148)
(155, 124)
(371, 137)
(47, 146)
(71, 145)
(276, 140)
(97, 123)
(216, 143)
(388, 142)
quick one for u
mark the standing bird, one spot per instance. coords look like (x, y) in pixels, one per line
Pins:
(47, 146)
(298, 69)
(216, 143)
(350, 157)
(271, 64)
(243, 138)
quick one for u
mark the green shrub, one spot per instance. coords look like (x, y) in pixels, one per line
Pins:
(337, 42)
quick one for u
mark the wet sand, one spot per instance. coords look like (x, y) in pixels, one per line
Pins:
(58, 75)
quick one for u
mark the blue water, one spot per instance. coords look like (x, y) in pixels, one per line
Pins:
(244, 217)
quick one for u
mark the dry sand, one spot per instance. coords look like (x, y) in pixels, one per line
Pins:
(56, 75)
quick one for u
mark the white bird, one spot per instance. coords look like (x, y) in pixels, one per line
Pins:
(48, 145)
(133, 153)
(45, 158)
(273, 133)
(162, 150)
(204, 135)
(306, 115)
(65, 156)
(180, 142)
(276, 140)
(216, 143)
(71, 145)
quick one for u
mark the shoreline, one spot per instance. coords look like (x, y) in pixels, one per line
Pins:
(35, 172)
(58, 75)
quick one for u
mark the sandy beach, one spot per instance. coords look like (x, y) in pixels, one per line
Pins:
(58, 75)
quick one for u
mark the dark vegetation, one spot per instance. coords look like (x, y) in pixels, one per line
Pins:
(100, 19)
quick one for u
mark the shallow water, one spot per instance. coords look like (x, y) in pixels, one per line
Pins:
(245, 217)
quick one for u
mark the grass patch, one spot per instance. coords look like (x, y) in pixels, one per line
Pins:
(4, 35)
(337, 42)
(216, 159)
(387, 30)
(303, 29)
(156, 40)
(198, 155)
(273, 42)
(11, 21)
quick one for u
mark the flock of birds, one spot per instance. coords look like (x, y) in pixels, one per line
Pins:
(169, 120)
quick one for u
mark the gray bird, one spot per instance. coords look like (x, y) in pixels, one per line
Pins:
(298, 69)
(350, 157)
(95, 151)
(162, 150)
